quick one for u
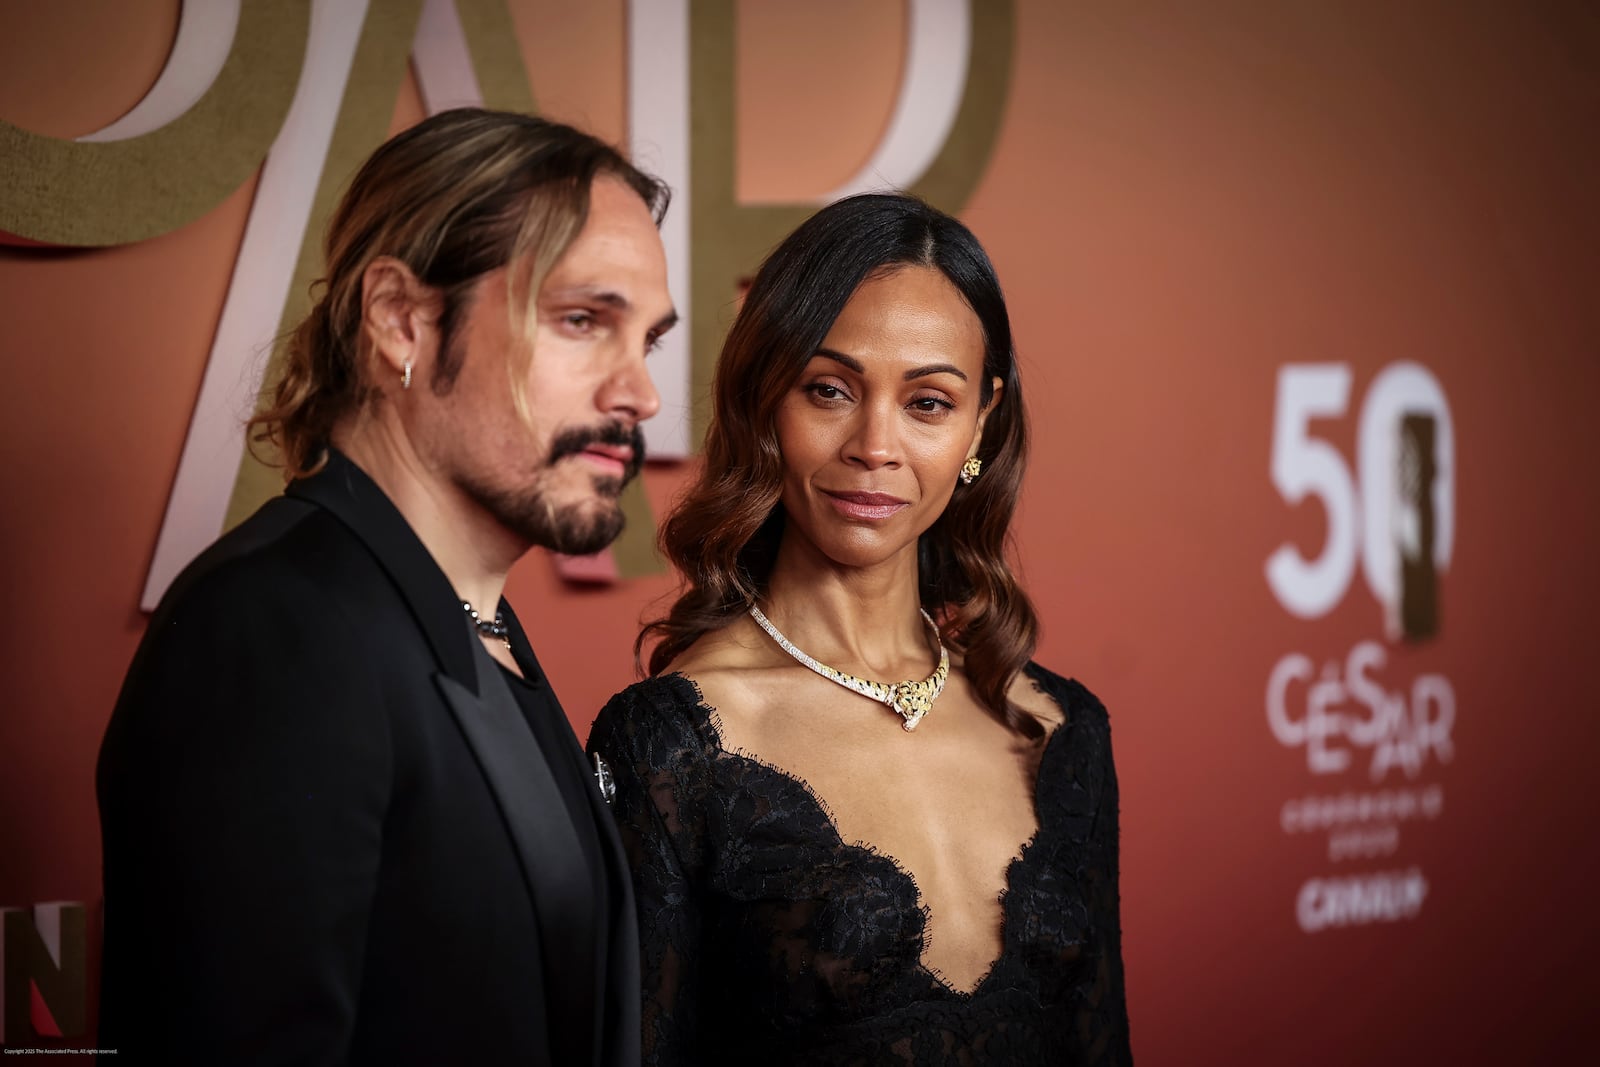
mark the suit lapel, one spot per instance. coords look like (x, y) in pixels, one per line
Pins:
(543, 834)
(616, 949)
(616, 981)
(513, 764)
(617, 985)
(344, 489)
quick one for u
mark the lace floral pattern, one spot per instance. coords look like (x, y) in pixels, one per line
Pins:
(768, 938)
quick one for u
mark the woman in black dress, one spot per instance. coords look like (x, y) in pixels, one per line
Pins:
(833, 866)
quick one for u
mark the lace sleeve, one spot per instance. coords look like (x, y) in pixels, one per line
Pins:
(1101, 1026)
(659, 768)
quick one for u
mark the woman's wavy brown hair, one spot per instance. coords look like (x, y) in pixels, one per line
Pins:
(460, 194)
(723, 535)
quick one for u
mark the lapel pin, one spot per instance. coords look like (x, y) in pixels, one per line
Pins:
(603, 779)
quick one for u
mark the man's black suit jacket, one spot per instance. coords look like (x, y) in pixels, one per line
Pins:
(330, 835)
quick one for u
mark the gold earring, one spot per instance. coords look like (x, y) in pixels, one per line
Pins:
(971, 469)
(405, 377)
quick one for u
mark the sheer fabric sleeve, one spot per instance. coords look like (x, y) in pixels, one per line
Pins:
(1100, 1026)
(660, 768)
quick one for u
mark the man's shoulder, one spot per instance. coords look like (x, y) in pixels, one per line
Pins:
(291, 580)
(255, 634)
(289, 548)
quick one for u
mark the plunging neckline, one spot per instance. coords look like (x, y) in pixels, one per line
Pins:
(1018, 859)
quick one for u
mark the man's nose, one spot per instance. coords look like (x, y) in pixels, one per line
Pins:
(629, 394)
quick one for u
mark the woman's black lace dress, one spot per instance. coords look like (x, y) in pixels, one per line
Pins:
(767, 939)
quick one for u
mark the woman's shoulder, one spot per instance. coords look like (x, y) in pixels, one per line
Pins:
(1078, 773)
(651, 717)
(722, 677)
(667, 693)
(736, 671)
(1062, 699)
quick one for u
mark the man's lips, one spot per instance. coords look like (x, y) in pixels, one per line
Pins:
(613, 458)
(857, 505)
(612, 449)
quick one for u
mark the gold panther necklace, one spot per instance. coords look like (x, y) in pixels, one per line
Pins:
(911, 699)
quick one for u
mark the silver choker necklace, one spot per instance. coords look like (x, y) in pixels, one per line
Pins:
(911, 699)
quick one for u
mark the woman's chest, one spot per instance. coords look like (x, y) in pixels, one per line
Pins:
(813, 922)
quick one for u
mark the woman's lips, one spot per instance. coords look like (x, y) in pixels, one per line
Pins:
(869, 506)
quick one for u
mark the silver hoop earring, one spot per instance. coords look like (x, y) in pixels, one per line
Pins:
(405, 376)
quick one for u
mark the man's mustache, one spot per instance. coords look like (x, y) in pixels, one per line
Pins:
(571, 442)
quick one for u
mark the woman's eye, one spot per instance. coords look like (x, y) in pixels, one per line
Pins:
(932, 404)
(824, 391)
(578, 320)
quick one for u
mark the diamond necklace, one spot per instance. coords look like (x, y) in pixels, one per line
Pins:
(911, 699)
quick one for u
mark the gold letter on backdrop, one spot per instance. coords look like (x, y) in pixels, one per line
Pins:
(727, 238)
(117, 192)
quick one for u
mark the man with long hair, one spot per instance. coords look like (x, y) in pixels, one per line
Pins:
(345, 819)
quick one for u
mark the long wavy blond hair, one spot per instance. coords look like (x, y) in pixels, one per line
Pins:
(454, 197)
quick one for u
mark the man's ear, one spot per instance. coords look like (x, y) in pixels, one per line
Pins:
(983, 416)
(396, 314)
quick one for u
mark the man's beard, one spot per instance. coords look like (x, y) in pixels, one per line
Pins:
(576, 529)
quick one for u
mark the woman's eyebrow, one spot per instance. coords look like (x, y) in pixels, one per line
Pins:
(915, 372)
(839, 357)
(936, 368)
